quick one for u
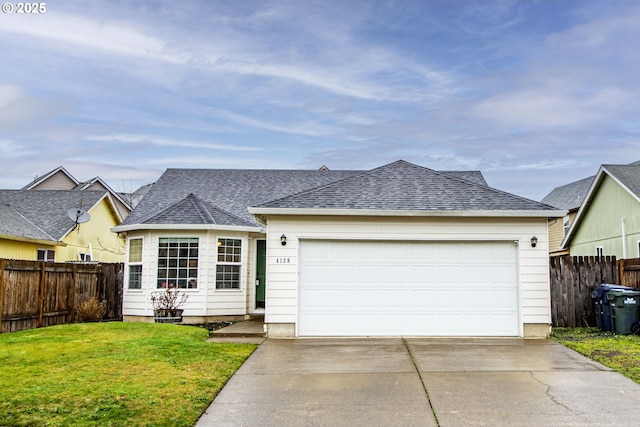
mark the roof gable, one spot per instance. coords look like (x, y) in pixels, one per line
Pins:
(404, 186)
(626, 176)
(192, 210)
(57, 179)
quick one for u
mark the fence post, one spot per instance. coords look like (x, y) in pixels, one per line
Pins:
(41, 294)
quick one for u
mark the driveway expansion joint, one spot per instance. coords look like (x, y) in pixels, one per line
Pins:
(424, 386)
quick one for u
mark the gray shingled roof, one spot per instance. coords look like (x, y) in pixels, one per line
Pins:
(628, 175)
(232, 191)
(12, 223)
(569, 196)
(192, 210)
(405, 186)
(42, 214)
(229, 190)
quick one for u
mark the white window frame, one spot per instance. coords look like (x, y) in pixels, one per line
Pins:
(46, 255)
(84, 257)
(189, 278)
(226, 263)
(638, 246)
(566, 225)
(134, 263)
(599, 252)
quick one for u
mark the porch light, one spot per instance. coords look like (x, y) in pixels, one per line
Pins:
(283, 240)
(534, 241)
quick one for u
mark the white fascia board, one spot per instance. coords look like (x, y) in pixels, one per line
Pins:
(426, 213)
(134, 227)
(583, 207)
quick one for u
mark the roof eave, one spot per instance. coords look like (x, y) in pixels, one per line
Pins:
(32, 240)
(134, 227)
(406, 212)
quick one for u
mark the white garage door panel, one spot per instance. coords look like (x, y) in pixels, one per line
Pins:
(397, 288)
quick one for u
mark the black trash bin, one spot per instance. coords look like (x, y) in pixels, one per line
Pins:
(601, 304)
(625, 311)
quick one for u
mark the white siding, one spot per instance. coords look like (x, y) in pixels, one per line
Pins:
(206, 300)
(282, 289)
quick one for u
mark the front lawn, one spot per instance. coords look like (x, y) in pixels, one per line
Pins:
(618, 352)
(112, 374)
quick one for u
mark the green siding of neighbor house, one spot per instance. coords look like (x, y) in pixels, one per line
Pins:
(601, 224)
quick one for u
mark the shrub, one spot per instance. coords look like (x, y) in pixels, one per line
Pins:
(91, 310)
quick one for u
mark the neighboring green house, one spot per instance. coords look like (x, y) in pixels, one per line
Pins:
(608, 221)
(38, 226)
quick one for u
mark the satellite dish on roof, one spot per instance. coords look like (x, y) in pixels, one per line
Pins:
(79, 216)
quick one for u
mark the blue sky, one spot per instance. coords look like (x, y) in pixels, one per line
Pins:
(535, 94)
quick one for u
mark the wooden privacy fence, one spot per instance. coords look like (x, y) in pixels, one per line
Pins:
(629, 272)
(35, 294)
(573, 279)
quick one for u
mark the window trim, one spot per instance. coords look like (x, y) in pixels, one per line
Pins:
(239, 264)
(599, 252)
(135, 263)
(189, 277)
(46, 253)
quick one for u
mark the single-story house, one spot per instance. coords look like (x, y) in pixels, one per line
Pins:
(608, 221)
(400, 250)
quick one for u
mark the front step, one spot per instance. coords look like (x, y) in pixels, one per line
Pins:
(246, 329)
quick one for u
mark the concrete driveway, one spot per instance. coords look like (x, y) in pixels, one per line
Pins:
(423, 382)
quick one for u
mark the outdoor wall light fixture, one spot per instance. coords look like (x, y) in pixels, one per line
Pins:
(534, 241)
(283, 240)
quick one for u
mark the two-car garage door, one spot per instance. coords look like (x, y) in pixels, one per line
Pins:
(375, 288)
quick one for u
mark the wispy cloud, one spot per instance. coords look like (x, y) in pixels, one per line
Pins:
(166, 142)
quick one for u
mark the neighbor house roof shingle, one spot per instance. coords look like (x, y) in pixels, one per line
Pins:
(42, 214)
(569, 196)
(628, 175)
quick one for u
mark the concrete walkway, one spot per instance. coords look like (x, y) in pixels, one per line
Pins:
(423, 382)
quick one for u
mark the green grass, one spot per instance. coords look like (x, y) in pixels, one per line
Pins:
(618, 352)
(112, 374)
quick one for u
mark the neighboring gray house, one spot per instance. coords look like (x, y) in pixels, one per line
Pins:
(568, 197)
(61, 179)
(397, 250)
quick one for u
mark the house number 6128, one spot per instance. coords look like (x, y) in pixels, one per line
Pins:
(283, 260)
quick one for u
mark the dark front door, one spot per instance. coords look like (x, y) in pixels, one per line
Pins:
(261, 272)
